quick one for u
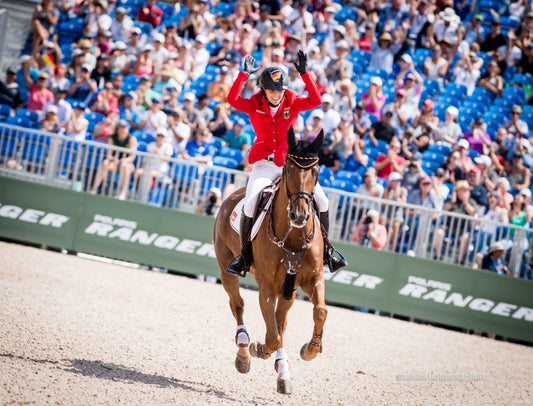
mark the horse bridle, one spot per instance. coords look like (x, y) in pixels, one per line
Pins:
(300, 194)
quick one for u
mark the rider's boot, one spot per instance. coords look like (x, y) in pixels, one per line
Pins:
(242, 263)
(334, 263)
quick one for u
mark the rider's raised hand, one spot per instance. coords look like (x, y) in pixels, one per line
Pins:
(301, 64)
(249, 63)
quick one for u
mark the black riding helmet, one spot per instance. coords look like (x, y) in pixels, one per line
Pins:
(273, 78)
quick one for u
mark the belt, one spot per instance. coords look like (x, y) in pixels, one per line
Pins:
(269, 158)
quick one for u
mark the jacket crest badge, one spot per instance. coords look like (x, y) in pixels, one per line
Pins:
(286, 114)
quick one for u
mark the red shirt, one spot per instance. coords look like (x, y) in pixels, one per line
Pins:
(153, 16)
(388, 168)
(271, 132)
(37, 99)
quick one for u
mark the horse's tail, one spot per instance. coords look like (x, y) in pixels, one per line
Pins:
(288, 286)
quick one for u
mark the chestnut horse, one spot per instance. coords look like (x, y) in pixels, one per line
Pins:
(288, 253)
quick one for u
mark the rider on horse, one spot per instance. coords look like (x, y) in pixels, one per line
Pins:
(272, 111)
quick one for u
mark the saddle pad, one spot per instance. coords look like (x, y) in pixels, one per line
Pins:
(235, 218)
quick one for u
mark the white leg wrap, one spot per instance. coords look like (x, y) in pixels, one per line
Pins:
(242, 337)
(282, 360)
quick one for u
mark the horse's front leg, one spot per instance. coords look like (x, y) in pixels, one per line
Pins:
(281, 365)
(267, 302)
(315, 289)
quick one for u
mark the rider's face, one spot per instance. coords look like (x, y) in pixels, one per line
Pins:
(274, 96)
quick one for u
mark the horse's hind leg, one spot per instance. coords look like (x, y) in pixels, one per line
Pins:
(231, 285)
(316, 292)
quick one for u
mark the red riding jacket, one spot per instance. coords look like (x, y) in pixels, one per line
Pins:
(271, 132)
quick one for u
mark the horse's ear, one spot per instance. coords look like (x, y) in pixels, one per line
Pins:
(318, 141)
(291, 139)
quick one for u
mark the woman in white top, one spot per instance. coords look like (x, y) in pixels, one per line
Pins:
(448, 131)
(77, 125)
(436, 67)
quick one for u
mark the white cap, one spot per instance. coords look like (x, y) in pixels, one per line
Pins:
(330, 9)
(452, 111)
(147, 47)
(406, 58)
(340, 29)
(189, 96)
(279, 52)
(318, 113)
(216, 191)
(161, 131)
(51, 108)
(327, 98)
(376, 80)
(87, 67)
(463, 143)
(525, 192)
(120, 45)
(483, 160)
(202, 39)
(136, 30)
(159, 38)
(395, 176)
(342, 44)
(247, 27)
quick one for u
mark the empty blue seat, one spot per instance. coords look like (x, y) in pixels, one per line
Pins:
(32, 115)
(353, 177)
(346, 13)
(20, 121)
(444, 149)
(344, 185)
(233, 153)
(226, 162)
(223, 9)
(5, 111)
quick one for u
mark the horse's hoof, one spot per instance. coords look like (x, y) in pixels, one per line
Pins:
(258, 350)
(242, 366)
(242, 360)
(305, 354)
(284, 383)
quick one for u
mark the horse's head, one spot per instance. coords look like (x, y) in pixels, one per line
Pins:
(301, 175)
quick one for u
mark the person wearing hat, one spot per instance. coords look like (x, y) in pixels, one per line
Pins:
(392, 220)
(85, 45)
(413, 85)
(238, 139)
(331, 118)
(466, 71)
(478, 139)
(460, 202)
(121, 25)
(424, 123)
(135, 43)
(273, 111)
(493, 259)
(478, 191)
(144, 65)
(227, 53)
(514, 126)
(9, 90)
(160, 53)
(192, 117)
(129, 110)
(150, 13)
(447, 25)
(84, 88)
(383, 50)
(448, 130)
(164, 80)
(212, 202)
(374, 99)
(464, 161)
(50, 121)
(162, 149)
(39, 93)
(344, 98)
(526, 193)
(340, 67)
(118, 161)
(179, 133)
(494, 39)
(154, 117)
(76, 126)
(399, 114)
(201, 56)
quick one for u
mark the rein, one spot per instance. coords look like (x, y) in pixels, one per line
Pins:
(293, 258)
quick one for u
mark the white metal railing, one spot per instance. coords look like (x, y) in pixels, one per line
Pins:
(61, 161)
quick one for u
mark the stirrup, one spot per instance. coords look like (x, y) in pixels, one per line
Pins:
(242, 273)
(335, 260)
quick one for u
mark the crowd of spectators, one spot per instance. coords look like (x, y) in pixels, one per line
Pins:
(433, 92)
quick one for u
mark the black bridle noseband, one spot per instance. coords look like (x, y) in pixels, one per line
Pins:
(302, 163)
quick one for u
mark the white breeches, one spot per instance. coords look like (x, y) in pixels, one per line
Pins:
(263, 174)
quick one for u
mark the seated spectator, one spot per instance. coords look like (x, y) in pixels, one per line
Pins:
(464, 161)
(200, 149)
(436, 67)
(503, 187)
(314, 125)
(359, 158)
(88, 51)
(441, 190)
(406, 66)
(105, 102)
(452, 170)
(475, 31)
(518, 215)
(494, 39)
(236, 138)
(525, 64)
(102, 73)
(394, 217)
(492, 212)
(382, 130)
(153, 118)
(413, 86)
(225, 54)
(159, 54)
(77, 125)
(331, 118)
(340, 67)
(44, 21)
(492, 80)
(422, 137)
(425, 195)
(135, 43)
(488, 173)
(164, 83)
(369, 233)
(50, 121)
(118, 161)
(515, 126)
(448, 130)
(103, 42)
(526, 193)
(192, 24)
(371, 188)
(203, 107)
(64, 109)
(478, 192)
(119, 61)
(383, 50)
(374, 99)
(193, 118)
(121, 25)
(158, 166)
(518, 174)
(345, 138)
(413, 173)
(201, 57)
(104, 129)
(129, 110)
(493, 259)
(219, 88)
(459, 202)
(447, 26)
(74, 67)
(178, 131)
(84, 88)
(344, 98)
(408, 147)
(59, 79)
(466, 73)
(39, 94)
(96, 18)
(392, 162)
(150, 13)
(221, 123)
(399, 114)
(9, 90)
(143, 64)
(426, 116)
(361, 120)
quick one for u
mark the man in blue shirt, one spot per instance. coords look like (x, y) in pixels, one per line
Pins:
(200, 149)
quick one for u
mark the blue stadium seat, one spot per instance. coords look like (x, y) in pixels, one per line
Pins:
(346, 13)
(32, 115)
(440, 147)
(226, 162)
(353, 177)
(223, 9)
(5, 111)
(326, 176)
(143, 136)
(233, 153)
(434, 156)
(214, 178)
(142, 146)
(344, 185)
(20, 121)
(146, 28)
